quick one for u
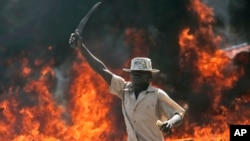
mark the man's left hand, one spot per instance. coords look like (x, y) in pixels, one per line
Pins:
(166, 127)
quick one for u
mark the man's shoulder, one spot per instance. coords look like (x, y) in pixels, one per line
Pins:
(160, 91)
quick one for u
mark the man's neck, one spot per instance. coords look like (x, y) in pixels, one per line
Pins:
(139, 87)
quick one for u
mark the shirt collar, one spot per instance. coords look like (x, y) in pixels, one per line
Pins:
(149, 89)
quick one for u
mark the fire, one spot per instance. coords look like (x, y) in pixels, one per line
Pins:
(27, 113)
(32, 113)
(90, 105)
(26, 70)
(30, 110)
(214, 73)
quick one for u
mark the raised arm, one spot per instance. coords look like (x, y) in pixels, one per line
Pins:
(97, 65)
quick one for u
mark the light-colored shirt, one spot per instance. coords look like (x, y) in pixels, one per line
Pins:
(142, 113)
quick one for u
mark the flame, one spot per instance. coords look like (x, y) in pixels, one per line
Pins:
(30, 111)
(213, 73)
(90, 105)
(26, 70)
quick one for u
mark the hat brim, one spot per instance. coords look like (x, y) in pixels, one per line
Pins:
(152, 70)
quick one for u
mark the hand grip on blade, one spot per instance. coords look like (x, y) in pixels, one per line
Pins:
(74, 37)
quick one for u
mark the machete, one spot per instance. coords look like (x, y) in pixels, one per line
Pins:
(83, 22)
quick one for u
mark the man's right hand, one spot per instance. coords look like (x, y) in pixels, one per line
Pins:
(74, 40)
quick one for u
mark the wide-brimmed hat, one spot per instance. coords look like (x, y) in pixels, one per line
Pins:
(141, 64)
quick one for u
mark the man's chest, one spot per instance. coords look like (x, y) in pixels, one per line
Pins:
(143, 105)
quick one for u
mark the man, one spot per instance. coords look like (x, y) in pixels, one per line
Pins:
(142, 104)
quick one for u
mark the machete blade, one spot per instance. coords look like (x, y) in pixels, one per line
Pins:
(84, 20)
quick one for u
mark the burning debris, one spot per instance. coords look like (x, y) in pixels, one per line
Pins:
(236, 49)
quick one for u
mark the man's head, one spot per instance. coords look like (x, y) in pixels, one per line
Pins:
(141, 70)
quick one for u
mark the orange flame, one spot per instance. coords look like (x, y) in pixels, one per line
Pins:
(200, 52)
(30, 112)
(90, 105)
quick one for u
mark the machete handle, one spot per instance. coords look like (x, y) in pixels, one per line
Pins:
(74, 39)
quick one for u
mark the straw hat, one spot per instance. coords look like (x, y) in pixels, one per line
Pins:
(141, 64)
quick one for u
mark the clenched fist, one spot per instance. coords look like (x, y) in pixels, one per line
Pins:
(74, 40)
(166, 127)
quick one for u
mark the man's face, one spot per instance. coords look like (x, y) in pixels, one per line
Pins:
(140, 77)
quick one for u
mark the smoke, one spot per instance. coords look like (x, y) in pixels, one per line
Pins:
(21, 21)
(62, 77)
(221, 10)
(231, 20)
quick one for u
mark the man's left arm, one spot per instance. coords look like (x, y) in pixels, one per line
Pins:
(173, 111)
